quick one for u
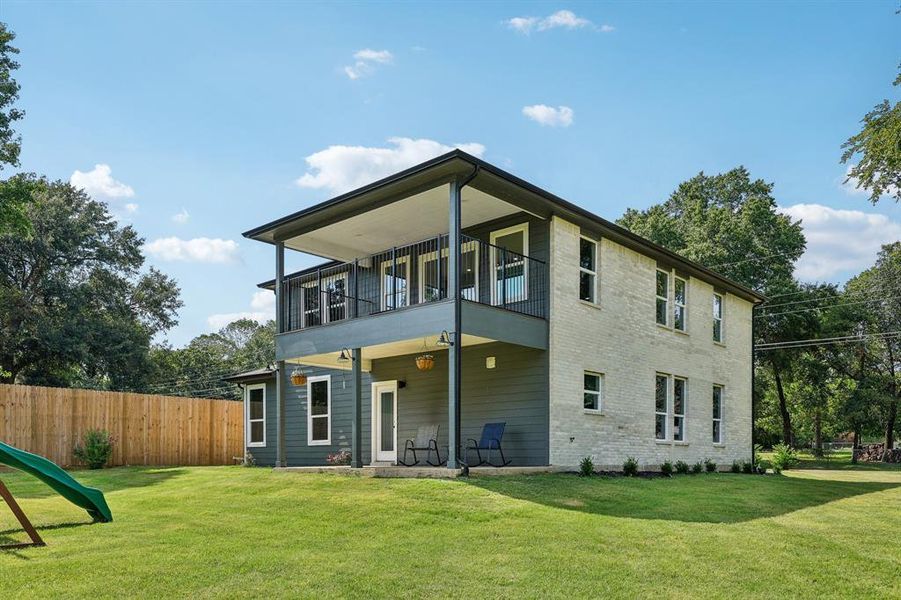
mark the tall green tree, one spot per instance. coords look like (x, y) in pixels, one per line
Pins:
(75, 306)
(731, 223)
(12, 201)
(877, 150)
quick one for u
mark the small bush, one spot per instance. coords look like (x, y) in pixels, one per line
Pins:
(709, 465)
(249, 460)
(667, 469)
(586, 467)
(682, 467)
(736, 466)
(747, 467)
(95, 448)
(341, 457)
(697, 468)
(762, 466)
(630, 467)
(783, 458)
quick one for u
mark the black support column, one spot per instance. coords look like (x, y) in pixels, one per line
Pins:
(280, 312)
(453, 352)
(356, 451)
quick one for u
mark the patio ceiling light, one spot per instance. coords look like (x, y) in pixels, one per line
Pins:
(345, 356)
(444, 339)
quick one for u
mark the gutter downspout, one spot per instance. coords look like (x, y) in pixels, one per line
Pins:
(753, 381)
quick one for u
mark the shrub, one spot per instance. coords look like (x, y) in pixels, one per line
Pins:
(586, 467)
(709, 465)
(762, 466)
(630, 467)
(697, 468)
(249, 460)
(783, 458)
(95, 448)
(667, 469)
(747, 467)
(682, 467)
(341, 457)
(736, 466)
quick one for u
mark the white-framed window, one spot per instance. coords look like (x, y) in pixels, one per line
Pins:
(510, 269)
(680, 300)
(661, 406)
(717, 414)
(592, 391)
(429, 288)
(718, 318)
(394, 280)
(588, 269)
(319, 410)
(333, 294)
(680, 400)
(662, 291)
(255, 414)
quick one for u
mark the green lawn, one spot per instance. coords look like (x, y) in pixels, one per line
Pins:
(232, 531)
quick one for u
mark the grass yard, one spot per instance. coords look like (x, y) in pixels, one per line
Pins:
(824, 532)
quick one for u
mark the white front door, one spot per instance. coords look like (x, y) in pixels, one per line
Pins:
(384, 421)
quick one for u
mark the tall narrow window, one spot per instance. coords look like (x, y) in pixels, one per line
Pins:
(680, 296)
(662, 297)
(312, 315)
(430, 289)
(592, 390)
(660, 406)
(680, 397)
(256, 414)
(717, 414)
(509, 273)
(588, 274)
(319, 410)
(395, 275)
(717, 318)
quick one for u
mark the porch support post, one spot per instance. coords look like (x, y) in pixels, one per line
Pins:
(453, 352)
(356, 452)
(280, 365)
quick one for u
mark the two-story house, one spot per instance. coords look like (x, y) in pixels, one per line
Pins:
(582, 337)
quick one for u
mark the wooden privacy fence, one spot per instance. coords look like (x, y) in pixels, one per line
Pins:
(148, 429)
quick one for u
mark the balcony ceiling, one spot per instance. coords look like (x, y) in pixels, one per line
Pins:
(417, 217)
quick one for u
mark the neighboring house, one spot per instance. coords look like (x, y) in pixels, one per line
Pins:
(584, 338)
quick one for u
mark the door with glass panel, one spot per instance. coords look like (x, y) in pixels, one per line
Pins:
(509, 271)
(384, 420)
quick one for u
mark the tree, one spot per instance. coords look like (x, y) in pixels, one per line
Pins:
(730, 223)
(878, 146)
(12, 201)
(75, 307)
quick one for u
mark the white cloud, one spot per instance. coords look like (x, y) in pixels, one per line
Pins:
(262, 306)
(562, 116)
(565, 19)
(840, 242)
(365, 62)
(131, 208)
(99, 183)
(342, 168)
(199, 250)
(181, 217)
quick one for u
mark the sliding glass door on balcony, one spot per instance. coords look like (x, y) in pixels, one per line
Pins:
(395, 278)
(432, 287)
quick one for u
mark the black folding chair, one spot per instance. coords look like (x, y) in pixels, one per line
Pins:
(492, 433)
(426, 441)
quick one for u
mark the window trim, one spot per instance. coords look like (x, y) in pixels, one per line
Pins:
(492, 239)
(666, 407)
(665, 298)
(721, 318)
(327, 415)
(683, 306)
(721, 420)
(684, 414)
(465, 247)
(593, 274)
(247, 420)
(599, 393)
(401, 260)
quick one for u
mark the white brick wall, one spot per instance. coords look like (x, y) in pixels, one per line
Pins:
(620, 338)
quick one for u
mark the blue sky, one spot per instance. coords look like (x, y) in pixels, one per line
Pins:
(207, 119)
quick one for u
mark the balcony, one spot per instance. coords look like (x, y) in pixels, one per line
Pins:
(404, 277)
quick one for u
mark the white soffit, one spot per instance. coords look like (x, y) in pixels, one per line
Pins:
(406, 221)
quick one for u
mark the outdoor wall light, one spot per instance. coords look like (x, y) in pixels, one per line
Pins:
(444, 339)
(345, 356)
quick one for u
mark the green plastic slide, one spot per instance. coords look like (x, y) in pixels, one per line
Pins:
(90, 499)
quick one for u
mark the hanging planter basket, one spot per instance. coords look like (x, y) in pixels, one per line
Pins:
(425, 362)
(298, 377)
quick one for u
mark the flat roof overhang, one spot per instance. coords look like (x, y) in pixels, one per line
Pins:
(490, 181)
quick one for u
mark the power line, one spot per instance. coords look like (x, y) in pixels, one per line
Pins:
(802, 310)
(826, 341)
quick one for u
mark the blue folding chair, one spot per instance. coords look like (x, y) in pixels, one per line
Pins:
(492, 433)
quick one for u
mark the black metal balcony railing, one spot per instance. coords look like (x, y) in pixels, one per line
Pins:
(416, 274)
